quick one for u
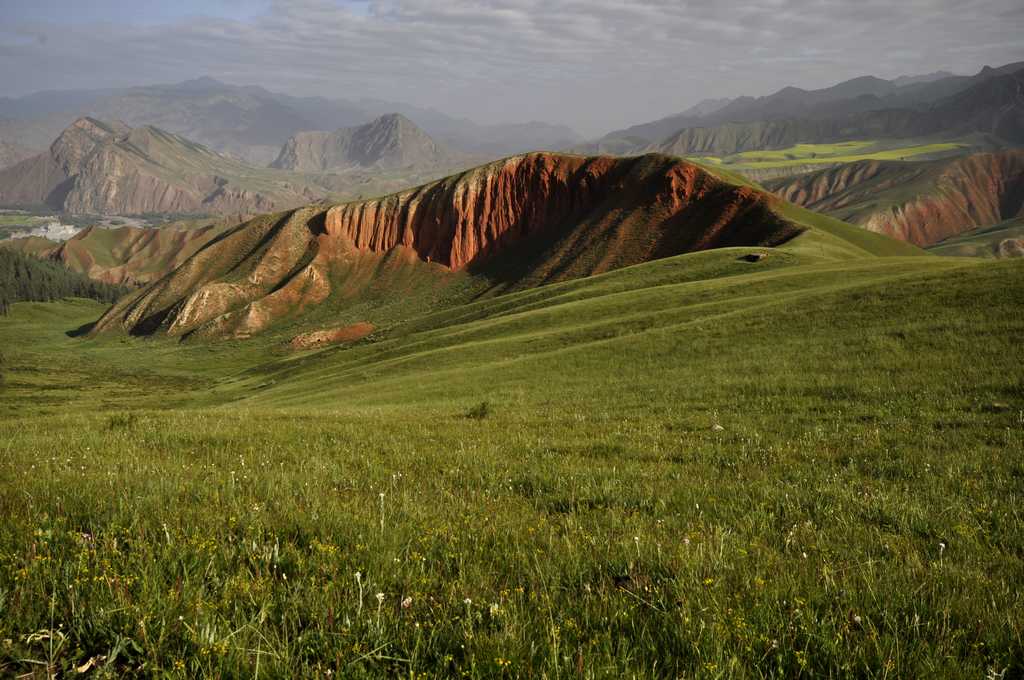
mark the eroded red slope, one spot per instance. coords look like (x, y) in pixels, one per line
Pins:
(922, 203)
(529, 219)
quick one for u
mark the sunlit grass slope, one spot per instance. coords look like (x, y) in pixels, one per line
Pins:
(802, 156)
(697, 467)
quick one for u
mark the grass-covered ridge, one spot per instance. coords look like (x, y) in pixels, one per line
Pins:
(700, 466)
(840, 152)
(1005, 239)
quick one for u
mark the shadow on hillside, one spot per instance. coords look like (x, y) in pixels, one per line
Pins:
(81, 331)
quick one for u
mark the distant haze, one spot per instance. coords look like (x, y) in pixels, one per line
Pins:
(594, 65)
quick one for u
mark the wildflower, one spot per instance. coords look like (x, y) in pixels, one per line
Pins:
(467, 602)
(380, 598)
(407, 602)
(495, 609)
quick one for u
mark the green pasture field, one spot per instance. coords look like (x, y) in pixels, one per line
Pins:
(804, 466)
(836, 153)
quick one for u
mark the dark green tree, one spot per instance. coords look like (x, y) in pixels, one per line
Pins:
(24, 278)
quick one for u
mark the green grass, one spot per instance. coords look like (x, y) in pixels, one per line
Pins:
(981, 242)
(700, 466)
(801, 155)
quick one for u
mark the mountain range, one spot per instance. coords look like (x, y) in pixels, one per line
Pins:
(98, 167)
(989, 102)
(251, 122)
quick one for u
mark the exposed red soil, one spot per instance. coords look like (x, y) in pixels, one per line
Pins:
(456, 223)
(331, 336)
(948, 197)
(527, 220)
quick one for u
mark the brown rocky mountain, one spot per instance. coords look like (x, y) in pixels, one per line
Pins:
(920, 202)
(390, 142)
(97, 167)
(519, 222)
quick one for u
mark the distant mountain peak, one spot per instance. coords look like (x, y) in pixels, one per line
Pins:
(101, 167)
(391, 140)
(95, 125)
(201, 84)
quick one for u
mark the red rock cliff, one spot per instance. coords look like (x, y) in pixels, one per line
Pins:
(579, 216)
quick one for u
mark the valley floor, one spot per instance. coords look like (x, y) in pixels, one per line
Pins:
(694, 467)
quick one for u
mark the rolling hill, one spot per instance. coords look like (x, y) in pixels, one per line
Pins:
(920, 202)
(1002, 240)
(610, 457)
(125, 255)
(509, 225)
(617, 456)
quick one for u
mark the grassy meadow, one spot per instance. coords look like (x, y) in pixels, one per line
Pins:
(696, 467)
(801, 157)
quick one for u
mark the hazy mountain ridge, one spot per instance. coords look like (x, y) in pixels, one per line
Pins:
(861, 106)
(252, 123)
(96, 167)
(992, 106)
(391, 141)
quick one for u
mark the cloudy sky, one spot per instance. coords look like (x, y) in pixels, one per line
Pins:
(592, 64)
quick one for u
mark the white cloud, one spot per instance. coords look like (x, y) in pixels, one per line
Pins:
(590, 63)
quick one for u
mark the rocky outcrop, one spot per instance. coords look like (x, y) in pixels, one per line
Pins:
(102, 168)
(391, 141)
(456, 222)
(919, 202)
(331, 336)
(1010, 247)
(529, 219)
